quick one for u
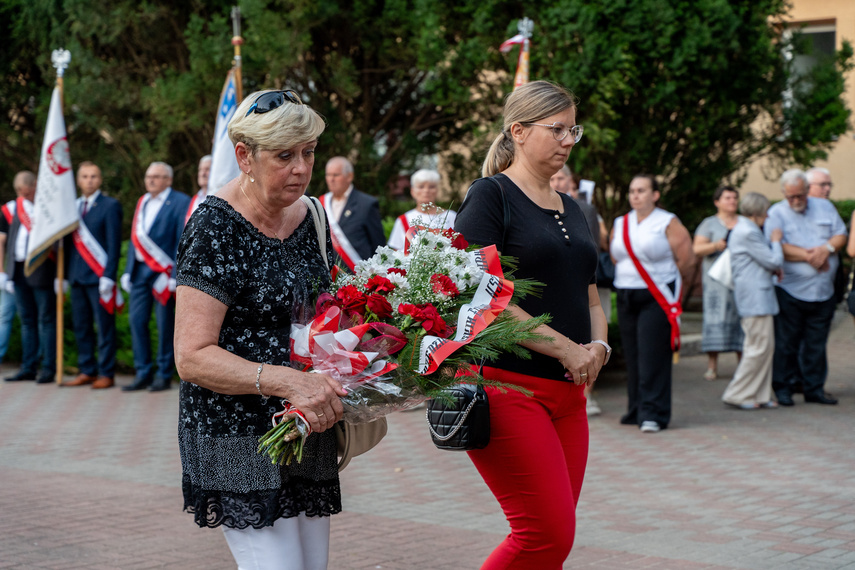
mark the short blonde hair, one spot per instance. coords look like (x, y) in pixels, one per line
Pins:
(528, 103)
(286, 126)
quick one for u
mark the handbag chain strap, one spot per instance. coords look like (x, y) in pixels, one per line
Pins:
(457, 427)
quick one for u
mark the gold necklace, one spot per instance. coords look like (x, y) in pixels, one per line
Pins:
(258, 213)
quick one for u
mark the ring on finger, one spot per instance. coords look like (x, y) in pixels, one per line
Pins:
(583, 374)
(320, 414)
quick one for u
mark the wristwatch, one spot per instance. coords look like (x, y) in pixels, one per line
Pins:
(830, 248)
(607, 347)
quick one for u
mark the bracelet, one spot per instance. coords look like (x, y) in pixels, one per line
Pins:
(566, 353)
(258, 382)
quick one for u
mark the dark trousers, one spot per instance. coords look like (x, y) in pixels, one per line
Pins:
(141, 301)
(805, 324)
(37, 310)
(646, 338)
(87, 309)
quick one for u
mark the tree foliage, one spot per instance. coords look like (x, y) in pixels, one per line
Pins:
(689, 90)
(672, 87)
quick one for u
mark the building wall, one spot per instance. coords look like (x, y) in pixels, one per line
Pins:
(841, 158)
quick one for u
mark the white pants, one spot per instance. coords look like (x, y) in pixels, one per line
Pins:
(295, 543)
(752, 381)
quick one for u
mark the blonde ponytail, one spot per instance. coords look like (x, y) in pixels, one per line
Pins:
(500, 156)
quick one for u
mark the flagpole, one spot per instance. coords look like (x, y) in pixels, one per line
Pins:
(525, 27)
(237, 41)
(60, 58)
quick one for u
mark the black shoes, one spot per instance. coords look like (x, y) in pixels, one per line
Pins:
(160, 384)
(21, 376)
(45, 378)
(785, 399)
(821, 398)
(138, 384)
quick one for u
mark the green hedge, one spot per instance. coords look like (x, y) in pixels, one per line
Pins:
(124, 352)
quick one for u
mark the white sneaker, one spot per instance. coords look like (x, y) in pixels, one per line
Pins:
(593, 408)
(649, 427)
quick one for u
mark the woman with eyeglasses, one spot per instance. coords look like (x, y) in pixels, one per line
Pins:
(651, 249)
(535, 461)
(248, 263)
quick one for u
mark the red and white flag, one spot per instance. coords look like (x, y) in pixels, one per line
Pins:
(509, 44)
(55, 208)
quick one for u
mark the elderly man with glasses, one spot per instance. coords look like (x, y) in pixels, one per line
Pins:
(156, 229)
(813, 234)
(819, 182)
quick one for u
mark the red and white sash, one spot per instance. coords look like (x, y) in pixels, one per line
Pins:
(341, 244)
(156, 259)
(670, 302)
(23, 215)
(197, 199)
(95, 257)
(9, 209)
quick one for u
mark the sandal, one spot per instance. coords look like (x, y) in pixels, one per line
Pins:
(710, 374)
(770, 405)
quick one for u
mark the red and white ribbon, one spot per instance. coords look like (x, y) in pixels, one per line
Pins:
(351, 355)
(491, 298)
(341, 244)
(95, 257)
(156, 259)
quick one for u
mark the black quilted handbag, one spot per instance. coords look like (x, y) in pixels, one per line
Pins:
(463, 423)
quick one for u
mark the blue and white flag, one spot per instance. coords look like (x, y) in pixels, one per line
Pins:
(55, 206)
(224, 166)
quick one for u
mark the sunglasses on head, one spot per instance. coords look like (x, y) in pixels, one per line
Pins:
(271, 100)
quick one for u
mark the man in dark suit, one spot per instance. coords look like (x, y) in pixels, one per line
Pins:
(158, 223)
(93, 261)
(34, 295)
(354, 216)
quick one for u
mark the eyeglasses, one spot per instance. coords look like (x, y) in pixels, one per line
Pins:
(794, 197)
(271, 100)
(829, 184)
(560, 130)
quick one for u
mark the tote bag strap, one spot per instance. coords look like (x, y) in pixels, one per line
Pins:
(320, 219)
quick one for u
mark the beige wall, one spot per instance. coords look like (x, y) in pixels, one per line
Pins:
(841, 158)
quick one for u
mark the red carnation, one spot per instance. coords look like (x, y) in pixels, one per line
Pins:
(398, 270)
(429, 318)
(350, 298)
(379, 305)
(457, 239)
(378, 284)
(443, 285)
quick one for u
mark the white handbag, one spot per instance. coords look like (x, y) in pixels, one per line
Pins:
(721, 269)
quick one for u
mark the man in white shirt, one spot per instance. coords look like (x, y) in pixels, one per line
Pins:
(158, 223)
(34, 295)
(354, 216)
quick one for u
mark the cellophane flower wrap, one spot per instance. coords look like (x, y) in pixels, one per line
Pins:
(402, 327)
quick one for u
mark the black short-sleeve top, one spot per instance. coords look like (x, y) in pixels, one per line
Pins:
(265, 284)
(555, 248)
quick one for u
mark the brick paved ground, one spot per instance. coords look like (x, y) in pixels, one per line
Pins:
(90, 479)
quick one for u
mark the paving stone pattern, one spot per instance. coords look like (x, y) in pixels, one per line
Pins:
(91, 479)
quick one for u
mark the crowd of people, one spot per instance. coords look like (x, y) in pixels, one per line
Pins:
(225, 273)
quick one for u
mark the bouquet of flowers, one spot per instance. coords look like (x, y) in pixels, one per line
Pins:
(404, 326)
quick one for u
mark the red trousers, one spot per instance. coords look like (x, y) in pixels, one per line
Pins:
(534, 465)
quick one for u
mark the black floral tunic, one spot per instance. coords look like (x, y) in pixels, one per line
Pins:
(266, 283)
